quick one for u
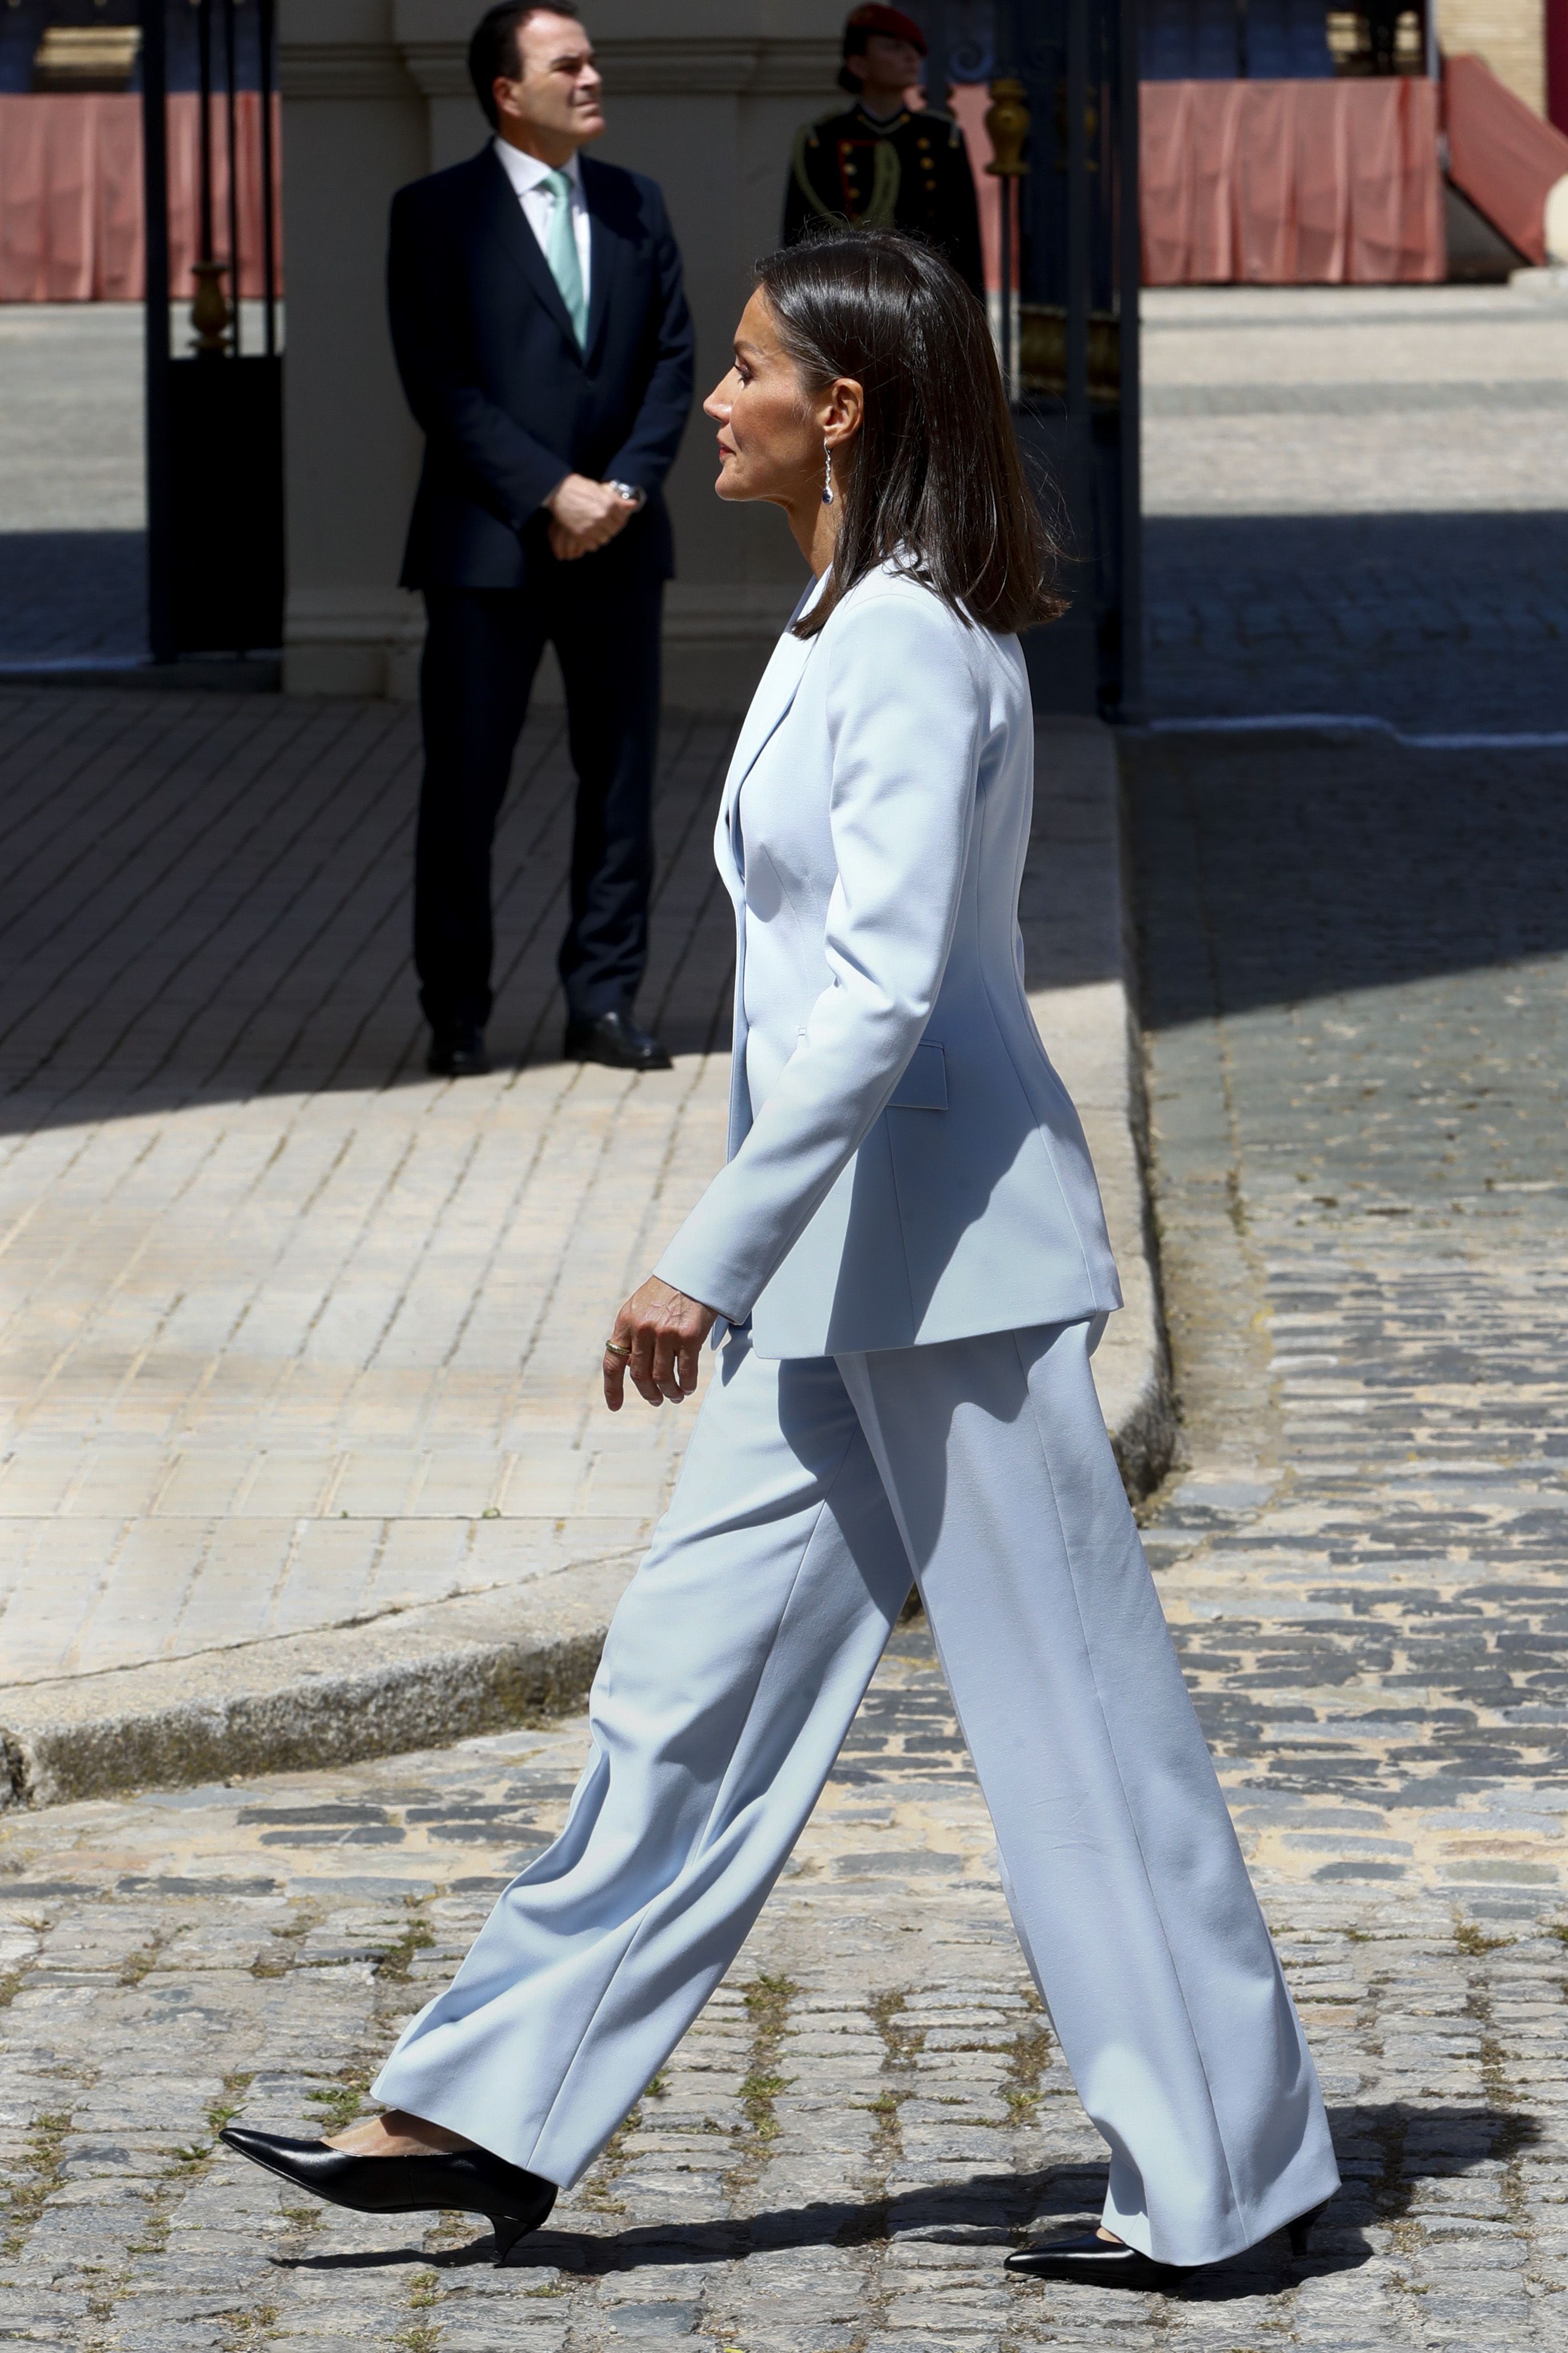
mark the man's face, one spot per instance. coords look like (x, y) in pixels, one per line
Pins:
(886, 64)
(558, 88)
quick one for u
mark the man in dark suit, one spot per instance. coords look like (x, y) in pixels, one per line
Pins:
(545, 347)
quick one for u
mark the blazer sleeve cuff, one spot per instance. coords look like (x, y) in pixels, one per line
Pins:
(687, 1267)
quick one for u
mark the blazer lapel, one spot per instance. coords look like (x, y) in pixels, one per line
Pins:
(604, 258)
(504, 215)
(775, 692)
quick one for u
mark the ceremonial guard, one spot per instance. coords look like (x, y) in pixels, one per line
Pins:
(878, 163)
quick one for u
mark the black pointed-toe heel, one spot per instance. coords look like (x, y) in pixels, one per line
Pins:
(1096, 2262)
(1300, 2230)
(458, 2181)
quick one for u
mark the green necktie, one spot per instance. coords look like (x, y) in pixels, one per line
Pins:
(562, 255)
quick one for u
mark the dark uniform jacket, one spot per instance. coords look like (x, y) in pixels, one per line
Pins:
(911, 173)
(494, 374)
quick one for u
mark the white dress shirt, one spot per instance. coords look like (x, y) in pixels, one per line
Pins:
(528, 176)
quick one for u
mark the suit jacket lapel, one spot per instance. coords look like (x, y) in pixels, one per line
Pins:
(771, 704)
(506, 216)
(604, 258)
(775, 694)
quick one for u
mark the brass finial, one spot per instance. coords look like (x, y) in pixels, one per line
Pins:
(1007, 123)
(210, 313)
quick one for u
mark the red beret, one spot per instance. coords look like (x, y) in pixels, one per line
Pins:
(875, 19)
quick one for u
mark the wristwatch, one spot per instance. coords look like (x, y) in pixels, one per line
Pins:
(629, 491)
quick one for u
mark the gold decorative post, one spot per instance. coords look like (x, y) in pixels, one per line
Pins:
(1007, 127)
(1008, 124)
(210, 313)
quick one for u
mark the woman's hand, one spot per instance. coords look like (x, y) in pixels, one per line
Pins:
(661, 1331)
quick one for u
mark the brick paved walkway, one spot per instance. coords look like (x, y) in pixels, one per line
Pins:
(293, 1334)
(1355, 972)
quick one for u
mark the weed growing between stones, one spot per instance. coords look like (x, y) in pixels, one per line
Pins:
(243, 2331)
(397, 1959)
(767, 2002)
(142, 1962)
(341, 2099)
(303, 1918)
(231, 2100)
(596, 2190)
(43, 2173)
(1028, 2056)
(424, 2294)
(1471, 1938)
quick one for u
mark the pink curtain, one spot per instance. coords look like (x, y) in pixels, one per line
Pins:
(1290, 183)
(1506, 158)
(70, 197)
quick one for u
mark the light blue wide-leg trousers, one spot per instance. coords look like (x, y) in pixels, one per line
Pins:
(811, 1491)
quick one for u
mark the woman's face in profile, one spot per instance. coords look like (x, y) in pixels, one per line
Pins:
(769, 440)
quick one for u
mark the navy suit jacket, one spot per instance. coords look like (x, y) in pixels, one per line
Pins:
(508, 401)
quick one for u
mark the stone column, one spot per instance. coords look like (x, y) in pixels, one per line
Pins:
(374, 93)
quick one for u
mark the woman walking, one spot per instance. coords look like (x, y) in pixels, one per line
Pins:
(906, 1260)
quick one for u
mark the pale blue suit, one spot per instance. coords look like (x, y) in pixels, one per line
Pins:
(905, 1166)
(908, 1247)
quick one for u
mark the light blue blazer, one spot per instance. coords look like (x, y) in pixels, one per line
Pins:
(904, 1164)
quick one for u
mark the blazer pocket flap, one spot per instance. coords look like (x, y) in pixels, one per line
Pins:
(923, 1086)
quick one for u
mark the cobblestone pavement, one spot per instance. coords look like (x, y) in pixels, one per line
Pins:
(1358, 503)
(868, 2114)
(1355, 987)
(1356, 975)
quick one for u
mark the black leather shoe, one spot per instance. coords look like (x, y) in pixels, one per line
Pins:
(1106, 2264)
(457, 1051)
(614, 1038)
(459, 2181)
(1097, 2262)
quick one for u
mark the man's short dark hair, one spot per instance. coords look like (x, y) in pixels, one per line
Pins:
(493, 51)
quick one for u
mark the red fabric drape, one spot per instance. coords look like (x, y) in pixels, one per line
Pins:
(71, 196)
(1290, 183)
(1506, 158)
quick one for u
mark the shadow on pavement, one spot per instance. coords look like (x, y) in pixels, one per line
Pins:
(206, 898)
(73, 596)
(1312, 868)
(1388, 2148)
(1438, 623)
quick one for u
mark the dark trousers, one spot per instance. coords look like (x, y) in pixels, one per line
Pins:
(481, 651)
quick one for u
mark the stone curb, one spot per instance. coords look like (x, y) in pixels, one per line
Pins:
(414, 1679)
(482, 1663)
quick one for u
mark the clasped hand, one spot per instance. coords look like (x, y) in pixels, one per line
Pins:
(664, 1331)
(585, 515)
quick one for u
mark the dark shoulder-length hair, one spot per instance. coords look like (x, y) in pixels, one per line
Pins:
(934, 483)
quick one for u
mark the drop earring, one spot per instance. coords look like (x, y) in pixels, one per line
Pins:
(828, 477)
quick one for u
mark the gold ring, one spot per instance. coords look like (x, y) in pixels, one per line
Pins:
(617, 1348)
